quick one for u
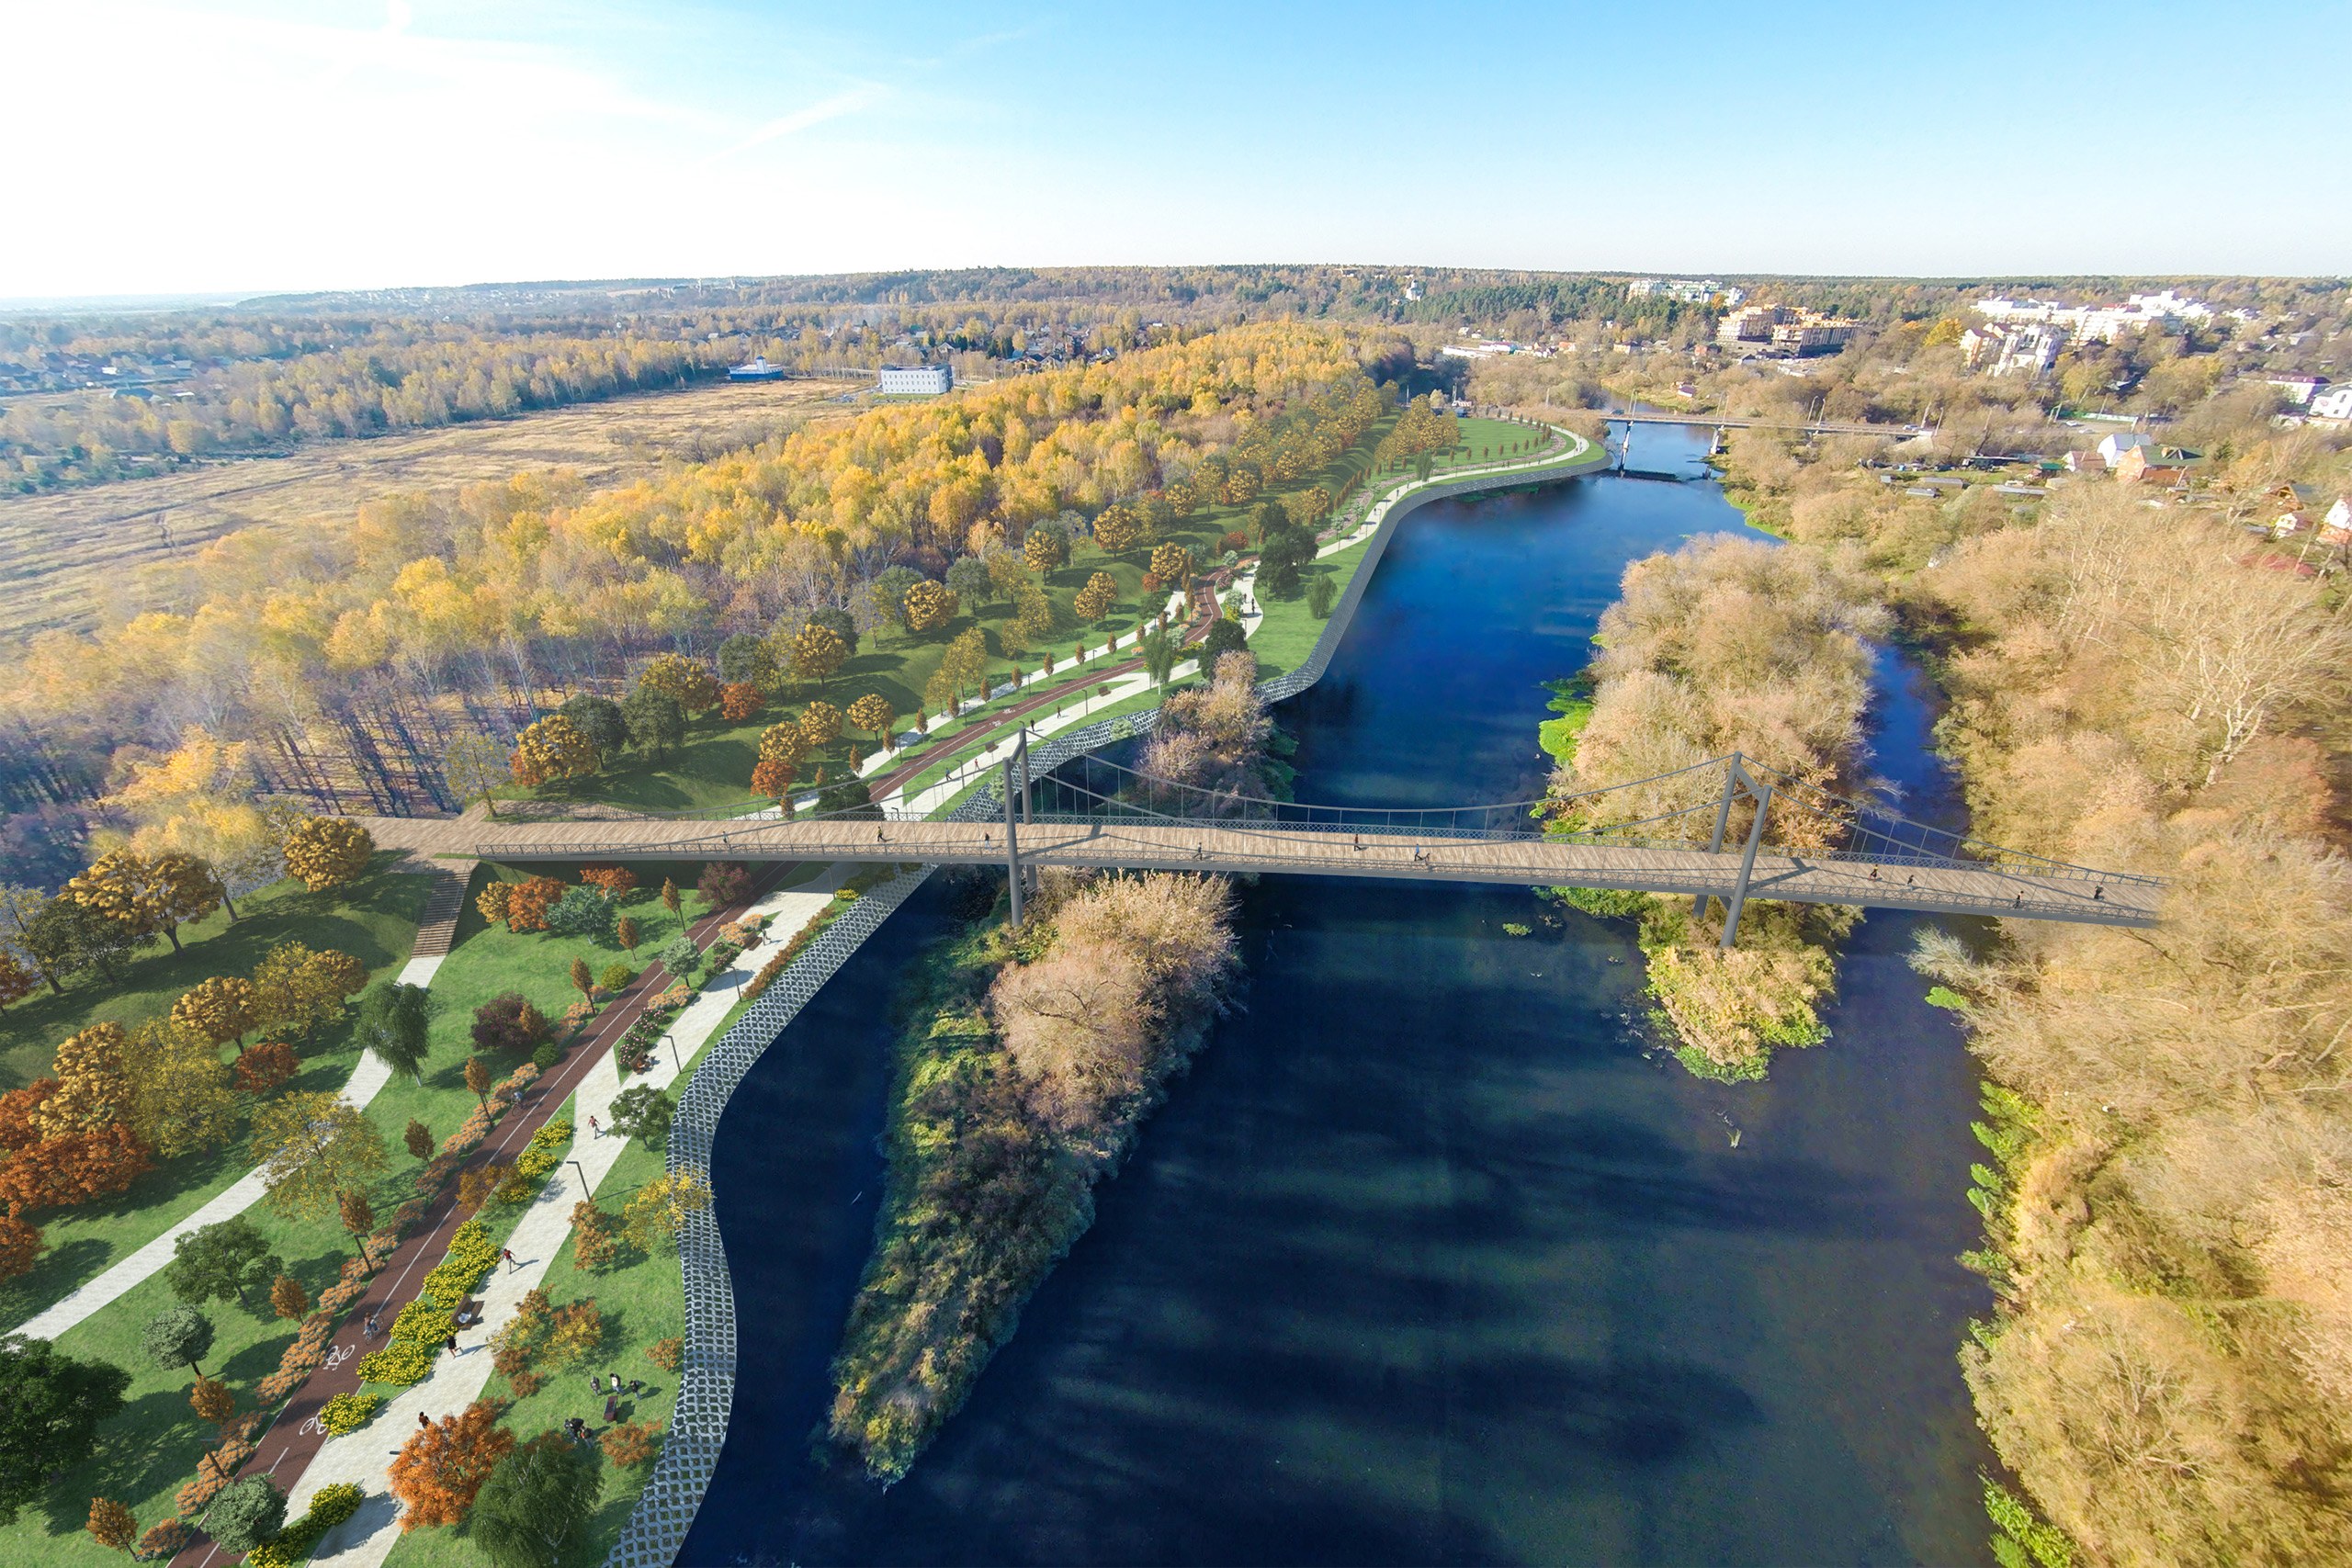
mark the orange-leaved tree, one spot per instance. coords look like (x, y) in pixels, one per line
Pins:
(738, 700)
(554, 748)
(440, 1467)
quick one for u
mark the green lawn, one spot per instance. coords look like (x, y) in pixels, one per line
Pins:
(151, 1449)
(373, 918)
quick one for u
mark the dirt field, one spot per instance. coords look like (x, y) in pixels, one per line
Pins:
(79, 557)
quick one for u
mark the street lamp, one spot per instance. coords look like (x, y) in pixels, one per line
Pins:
(585, 1190)
(672, 1042)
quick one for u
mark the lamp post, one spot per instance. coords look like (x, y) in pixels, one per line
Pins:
(585, 1191)
(672, 1042)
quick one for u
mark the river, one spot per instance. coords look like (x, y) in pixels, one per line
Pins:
(1427, 1259)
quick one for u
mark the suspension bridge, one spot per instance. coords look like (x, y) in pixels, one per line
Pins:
(1726, 828)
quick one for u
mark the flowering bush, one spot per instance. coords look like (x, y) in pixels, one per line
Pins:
(423, 1321)
(544, 1152)
(329, 1505)
(402, 1362)
(348, 1412)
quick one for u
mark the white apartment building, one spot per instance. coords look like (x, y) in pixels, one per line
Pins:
(918, 380)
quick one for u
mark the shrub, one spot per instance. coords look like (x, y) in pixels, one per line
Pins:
(577, 1334)
(679, 956)
(245, 1513)
(725, 884)
(329, 1505)
(667, 1354)
(347, 1412)
(545, 1056)
(593, 1240)
(509, 1022)
(631, 1443)
(720, 954)
(399, 1363)
(164, 1542)
(616, 977)
(582, 911)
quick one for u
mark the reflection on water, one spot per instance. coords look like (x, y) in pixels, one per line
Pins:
(1425, 1261)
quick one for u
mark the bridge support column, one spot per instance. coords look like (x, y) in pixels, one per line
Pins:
(1733, 773)
(1738, 899)
(1011, 845)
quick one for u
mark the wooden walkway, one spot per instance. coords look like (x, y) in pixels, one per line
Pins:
(1939, 887)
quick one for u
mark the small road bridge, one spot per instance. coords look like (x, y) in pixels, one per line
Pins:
(1730, 422)
(1728, 827)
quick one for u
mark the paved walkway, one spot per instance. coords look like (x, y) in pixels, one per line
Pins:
(364, 1456)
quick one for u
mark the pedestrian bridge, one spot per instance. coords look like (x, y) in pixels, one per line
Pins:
(1728, 828)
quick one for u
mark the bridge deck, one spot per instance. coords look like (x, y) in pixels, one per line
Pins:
(1939, 888)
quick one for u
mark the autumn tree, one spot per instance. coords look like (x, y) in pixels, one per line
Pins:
(92, 1090)
(682, 680)
(220, 1009)
(357, 1214)
(417, 1138)
(773, 779)
(288, 1299)
(785, 743)
(78, 1168)
(1046, 547)
(670, 888)
(593, 1243)
(625, 929)
(583, 980)
(177, 1336)
(111, 1525)
(929, 607)
(440, 1468)
(872, 714)
(396, 1024)
(50, 1407)
(817, 652)
(822, 723)
(309, 1147)
(300, 991)
(1173, 564)
(724, 883)
(1119, 528)
(740, 700)
(478, 1080)
(21, 1245)
(182, 1097)
(1094, 600)
(147, 896)
(17, 980)
(328, 851)
(528, 901)
(227, 1262)
(212, 1401)
(265, 1067)
(552, 749)
(198, 802)
(653, 1216)
(535, 1502)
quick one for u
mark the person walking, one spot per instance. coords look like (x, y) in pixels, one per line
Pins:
(593, 1128)
(508, 1253)
(452, 1344)
(424, 1422)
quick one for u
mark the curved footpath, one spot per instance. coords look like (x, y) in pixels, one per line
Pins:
(666, 1508)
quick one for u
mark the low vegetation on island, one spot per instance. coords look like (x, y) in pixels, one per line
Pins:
(1026, 1064)
(1725, 645)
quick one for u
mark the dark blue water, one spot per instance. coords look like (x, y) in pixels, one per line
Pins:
(1427, 1261)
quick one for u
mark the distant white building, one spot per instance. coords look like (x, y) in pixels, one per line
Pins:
(758, 370)
(2102, 324)
(1690, 291)
(915, 380)
(2026, 350)
(2334, 405)
(2112, 446)
(2300, 389)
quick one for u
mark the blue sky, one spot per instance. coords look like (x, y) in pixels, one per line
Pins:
(234, 144)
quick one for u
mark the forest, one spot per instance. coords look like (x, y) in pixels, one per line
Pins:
(2166, 1128)
(348, 657)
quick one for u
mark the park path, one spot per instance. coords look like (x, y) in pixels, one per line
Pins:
(293, 1437)
(364, 1457)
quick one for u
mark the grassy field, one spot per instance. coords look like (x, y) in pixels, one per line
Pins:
(150, 1450)
(374, 919)
(77, 557)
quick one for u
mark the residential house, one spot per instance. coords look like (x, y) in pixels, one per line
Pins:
(2332, 406)
(2112, 446)
(2153, 464)
(2299, 389)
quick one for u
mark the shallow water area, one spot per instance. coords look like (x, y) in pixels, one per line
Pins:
(1427, 1260)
